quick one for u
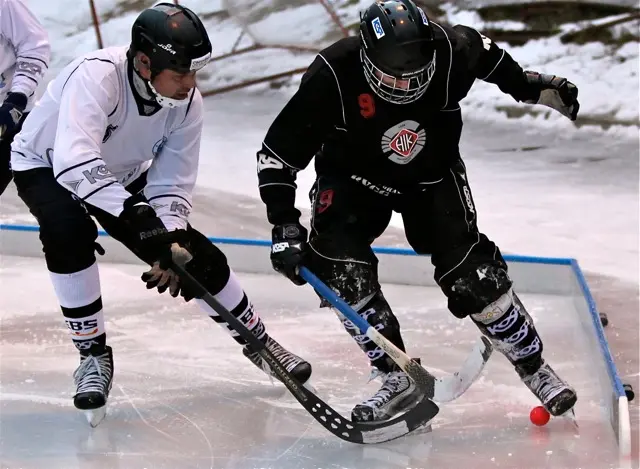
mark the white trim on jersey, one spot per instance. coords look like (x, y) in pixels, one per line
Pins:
(446, 102)
(344, 118)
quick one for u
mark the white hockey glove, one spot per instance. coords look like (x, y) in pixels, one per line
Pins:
(555, 92)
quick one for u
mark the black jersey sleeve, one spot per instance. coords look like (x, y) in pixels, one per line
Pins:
(295, 136)
(490, 63)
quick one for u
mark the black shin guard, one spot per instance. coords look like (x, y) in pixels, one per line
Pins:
(350, 269)
(511, 329)
(486, 295)
(377, 312)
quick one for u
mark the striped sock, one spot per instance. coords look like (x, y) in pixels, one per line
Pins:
(81, 303)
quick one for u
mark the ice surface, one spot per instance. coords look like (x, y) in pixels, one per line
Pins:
(185, 397)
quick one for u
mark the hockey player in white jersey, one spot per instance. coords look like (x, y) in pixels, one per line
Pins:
(24, 57)
(117, 137)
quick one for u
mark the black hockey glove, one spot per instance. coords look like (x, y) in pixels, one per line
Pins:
(151, 235)
(289, 242)
(555, 92)
(156, 245)
(164, 279)
(11, 112)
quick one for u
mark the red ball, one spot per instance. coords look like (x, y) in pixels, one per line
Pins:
(539, 416)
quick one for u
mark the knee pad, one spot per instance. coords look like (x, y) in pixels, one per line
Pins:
(347, 266)
(473, 293)
(68, 240)
(209, 264)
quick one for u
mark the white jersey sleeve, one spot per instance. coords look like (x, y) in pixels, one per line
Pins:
(173, 173)
(31, 42)
(90, 93)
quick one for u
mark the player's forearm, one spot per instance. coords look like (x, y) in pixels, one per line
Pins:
(492, 64)
(508, 75)
(278, 192)
(31, 43)
(172, 205)
(29, 74)
(93, 183)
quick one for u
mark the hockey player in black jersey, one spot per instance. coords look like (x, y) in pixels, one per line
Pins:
(381, 114)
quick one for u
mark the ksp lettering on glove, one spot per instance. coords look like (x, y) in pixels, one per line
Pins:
(279, 247)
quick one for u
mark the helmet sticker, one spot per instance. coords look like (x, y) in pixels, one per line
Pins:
(168, 48)
(424, 17)
(377, 27)
(197, 64)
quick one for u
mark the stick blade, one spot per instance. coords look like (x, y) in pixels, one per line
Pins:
(452, 387)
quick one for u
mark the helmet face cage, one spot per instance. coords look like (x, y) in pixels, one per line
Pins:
(387, 86)
(397, 50)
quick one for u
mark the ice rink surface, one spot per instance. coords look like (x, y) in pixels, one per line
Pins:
(184, 397)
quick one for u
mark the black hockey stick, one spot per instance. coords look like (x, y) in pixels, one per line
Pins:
(354, 432)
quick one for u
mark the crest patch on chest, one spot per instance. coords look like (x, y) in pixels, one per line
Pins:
(158, 146)
(402, 142)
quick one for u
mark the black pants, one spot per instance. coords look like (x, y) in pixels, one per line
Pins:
(5, 154)
(68, 233)
(439, 219)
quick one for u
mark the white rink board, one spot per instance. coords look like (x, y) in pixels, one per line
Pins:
(530, 277)
(402, 269)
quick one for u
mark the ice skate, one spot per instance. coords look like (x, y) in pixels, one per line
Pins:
(299, 368)
(556, 395)
(93, 382)
(397, 394)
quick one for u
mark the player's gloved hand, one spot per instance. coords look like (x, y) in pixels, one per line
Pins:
(289, 242)
(555, 92)
(150, 234)
(156, 244)
(164, 279)
(11, 111)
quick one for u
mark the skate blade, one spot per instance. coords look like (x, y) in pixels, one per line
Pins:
(570, 416)
(309, 385)
(95, 416)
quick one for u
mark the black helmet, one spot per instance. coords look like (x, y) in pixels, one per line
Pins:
(398, 50)
(173, 37)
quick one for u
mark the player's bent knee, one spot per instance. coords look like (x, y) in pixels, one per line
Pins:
(68, 243)
(482, 287)
(350, 267)
(209, 264)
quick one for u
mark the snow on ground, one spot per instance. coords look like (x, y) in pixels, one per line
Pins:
(606, 76)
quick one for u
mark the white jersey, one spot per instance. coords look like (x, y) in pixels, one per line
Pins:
(24, 50)
(88, 129)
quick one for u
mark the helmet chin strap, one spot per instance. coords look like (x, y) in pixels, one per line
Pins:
(164, 101)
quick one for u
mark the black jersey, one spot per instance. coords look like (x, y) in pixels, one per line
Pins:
(390, 148)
